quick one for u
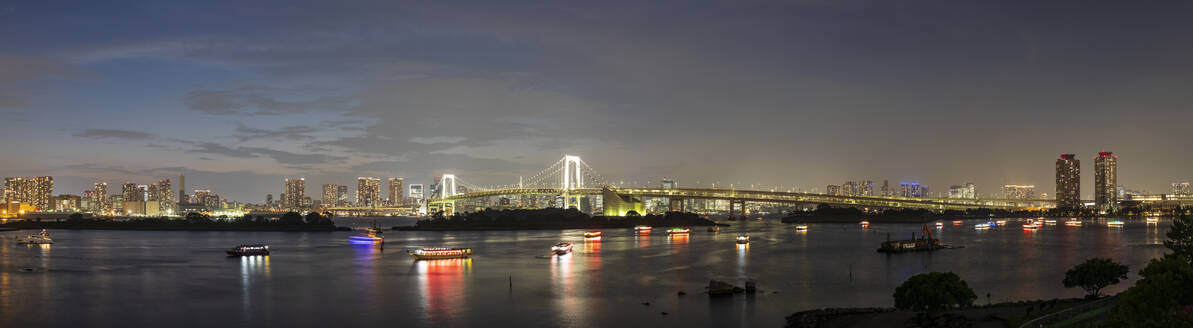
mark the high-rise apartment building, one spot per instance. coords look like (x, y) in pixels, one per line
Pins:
(967, 191)
(342, 195)
(416, 192)
(182, 188)
(912, 189)
(832, 190)
(165, 197)
(35, 191)
(329, 195)
(1181, 188)
(1018, 191)
(849, 188)
(368, 191)
(130, 192)
(886, 188)
(1105, 181)
(295, 191)
(1068, 182)
(99, 200)
(396, 193)
(865, 188)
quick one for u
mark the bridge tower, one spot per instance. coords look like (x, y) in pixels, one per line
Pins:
(447, 188)
(573, 178)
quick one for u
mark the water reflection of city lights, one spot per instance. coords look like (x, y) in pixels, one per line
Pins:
(441, 286)
(678, 239)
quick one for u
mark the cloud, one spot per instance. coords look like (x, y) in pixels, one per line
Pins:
(15, 70)
(114, 134)
(296, 132)
(263, 100)
(283, 157)
(436, 140)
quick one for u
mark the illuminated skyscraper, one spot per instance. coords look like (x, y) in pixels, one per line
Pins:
(182, 188)
(396, 193)
(1105, 181)
(295, 190)
(342, 196)
(35, 191)
(1018, 192)
(1181, 188)
(99, 201)
(368, 191)
(130, 192)
(416, 192)
(165, 198)
(834, 190)
(1068, 182)
(966, 191)
(886, 188)
(330, 198)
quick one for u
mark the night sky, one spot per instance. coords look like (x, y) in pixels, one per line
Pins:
(242, 94)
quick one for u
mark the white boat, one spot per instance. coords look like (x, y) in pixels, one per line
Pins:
(562, 248)
(41, 238)
(743, 239)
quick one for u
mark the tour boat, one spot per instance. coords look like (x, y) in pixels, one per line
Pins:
(41, 238)
(249, 250)
(1050, 222)
(1153, 220)
(1001, 222)
(562, 248)
(1073, 223)
(367, 238)
(957, 222)
(1115, 223)
(981, 226)
(1031, 225)
(865, 223)
(743, 239)
(801, 227)
(642, 229)
(939, 224)
(714, 229)
(679, 231)
(592, 234)
(440, 253)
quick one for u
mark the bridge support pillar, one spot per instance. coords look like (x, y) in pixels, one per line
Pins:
(734, 203)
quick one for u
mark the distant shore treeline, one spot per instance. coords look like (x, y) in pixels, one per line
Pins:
(828, 214)
(291, 221)
(551, 218)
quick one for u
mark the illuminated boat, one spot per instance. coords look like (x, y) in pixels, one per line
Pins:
(1115, 223)
(743, 239)
(1001, 222)
(249, 250)
(1031, 225)
(981, 226)
(865, 223)
(440, 253)
(1153, 220)
(1050, 222)
(1073, 223)
(592, 234)
(714, 229)
(642, 229)
(562, 248)
(939, 224)
(801, 227)
(679, 231)
(41, 238)
(369, 238)
(957, 222)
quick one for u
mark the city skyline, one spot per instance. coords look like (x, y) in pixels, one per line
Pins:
(797, 94)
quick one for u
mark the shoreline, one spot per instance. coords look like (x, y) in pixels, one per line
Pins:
(1010, 314)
